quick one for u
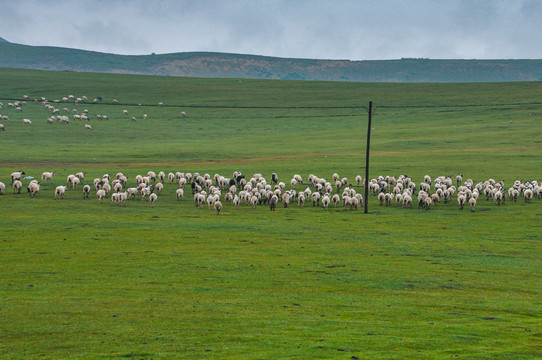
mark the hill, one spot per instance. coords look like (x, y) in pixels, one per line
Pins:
(223, 65)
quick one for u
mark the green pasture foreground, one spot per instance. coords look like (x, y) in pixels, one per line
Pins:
(86, 280)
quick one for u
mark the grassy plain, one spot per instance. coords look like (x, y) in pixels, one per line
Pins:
(86, 280)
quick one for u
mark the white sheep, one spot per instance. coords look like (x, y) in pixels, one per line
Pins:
(152, 198)
(472, 203)
(27, 122)
(17, 175)
(33, 188)
(2, 188)
(325, 201)
(218, 207)
(60, 191)
(17, 186)
(75, 182)
(47, 176)
(159, 186)
(88, 127)
(236, 201)
(2, 128)
(86, 191)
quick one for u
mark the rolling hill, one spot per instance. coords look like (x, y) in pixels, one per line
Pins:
(223, 65)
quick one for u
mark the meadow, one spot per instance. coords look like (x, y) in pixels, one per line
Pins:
(86, 280)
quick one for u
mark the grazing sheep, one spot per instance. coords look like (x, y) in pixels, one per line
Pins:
(88, 127)
(17, 186)
(125, 112)
(27, 122)
(47, 176)
(183, 114)
(2, 188)
(152, 198)
(16, 175)
(86, 191)
(218, 207)
(2, 128)
(60, 191)
(134, 119)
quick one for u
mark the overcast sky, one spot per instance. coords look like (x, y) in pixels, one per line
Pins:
(334, 29)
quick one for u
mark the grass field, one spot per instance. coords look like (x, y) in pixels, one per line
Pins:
(86, 280)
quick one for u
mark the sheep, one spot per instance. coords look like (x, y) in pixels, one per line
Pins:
(47, 176)
(199, 199)
(461, 199)
(33, 189)
(171, 177)
(125, 112)
(106, 187)
(17, 186)
(472, 203)
(2, 188)
(75, 182)
(162, 176)
(388, 199)
(88, 127)
(27, 122)
(273, 202)
(358, 180)
(16, 175)
(211, 200)
(117, 187)
(274, 178)
(60, 191)
(381, 198)
(458, 179)
(132, 192)
(286, 199)
(236, 202)
(497, 197)
(86, 191)
(159, 186)
(152, 176)
(134, 119)
(315, 199)
(407, 200)
(145, 116)
(146, 191)
(2, 128)
(325, 201)
(183, 114)
(153, 198)
(301, 199)
(218, 207)
(336, 200)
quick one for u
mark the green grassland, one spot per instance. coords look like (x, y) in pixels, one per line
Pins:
(86, 280)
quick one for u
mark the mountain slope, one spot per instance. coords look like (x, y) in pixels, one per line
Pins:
(220, 65)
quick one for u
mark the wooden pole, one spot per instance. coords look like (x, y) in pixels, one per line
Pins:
(365, 210)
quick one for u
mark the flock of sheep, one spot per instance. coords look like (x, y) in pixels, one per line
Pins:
(257, 191)
(59, 115)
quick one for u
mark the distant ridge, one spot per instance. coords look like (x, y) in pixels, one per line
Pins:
(223, 65)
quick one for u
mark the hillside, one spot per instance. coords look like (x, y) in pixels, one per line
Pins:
(222, 65)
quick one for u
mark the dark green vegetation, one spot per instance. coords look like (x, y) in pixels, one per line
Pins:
(87, 280)
(221, 65)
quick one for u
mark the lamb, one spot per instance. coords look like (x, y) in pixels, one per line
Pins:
(218, 207)
(152, 198)
(60, 191)
(86, 191)
(47, 176)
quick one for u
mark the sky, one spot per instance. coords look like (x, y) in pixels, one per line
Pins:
(317, 29)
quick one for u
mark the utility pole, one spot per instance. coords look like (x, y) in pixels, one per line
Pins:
(367, 158)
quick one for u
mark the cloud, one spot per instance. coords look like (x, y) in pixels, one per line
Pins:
(342, 29)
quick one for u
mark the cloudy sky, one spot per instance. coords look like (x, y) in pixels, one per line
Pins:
(334, 29)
